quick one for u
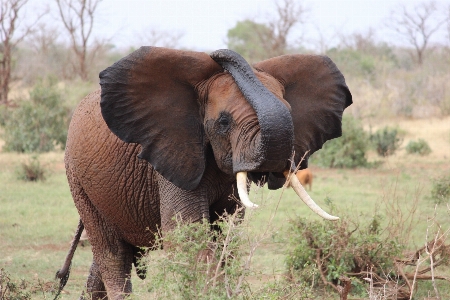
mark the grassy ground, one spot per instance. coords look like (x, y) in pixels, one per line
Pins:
(38, 219)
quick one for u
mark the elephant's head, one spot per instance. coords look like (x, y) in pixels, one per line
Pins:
(259, 121)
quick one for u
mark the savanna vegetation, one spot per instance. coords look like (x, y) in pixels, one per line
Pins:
(387, 177)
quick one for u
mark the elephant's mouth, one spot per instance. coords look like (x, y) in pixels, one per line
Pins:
(292, 180)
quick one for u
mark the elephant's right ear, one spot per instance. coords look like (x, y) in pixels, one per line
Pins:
(149, 97)
(318, 95)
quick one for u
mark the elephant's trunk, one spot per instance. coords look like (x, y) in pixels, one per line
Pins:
(275, 121)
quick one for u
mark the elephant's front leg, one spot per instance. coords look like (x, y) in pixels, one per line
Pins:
(186, 206)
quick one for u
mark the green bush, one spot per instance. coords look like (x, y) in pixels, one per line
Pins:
(440, 192)
(420, 147)
(39, 123)
(354, 62)
(386, 141)
(21, 289)
(12, 290)
(180, 272)
(200, 263)
(3, 114)
(32, 170)
(348, 151)
(330, 251)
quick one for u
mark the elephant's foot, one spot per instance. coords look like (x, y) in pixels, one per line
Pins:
(109, 277)
(95, 289)
(115, 268)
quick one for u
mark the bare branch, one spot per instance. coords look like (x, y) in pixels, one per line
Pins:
(9, 38)
(417, 25)
(160, 38)
(77, 17)
(42, 38)
(290, 13)
(447, 20)
(258, 41)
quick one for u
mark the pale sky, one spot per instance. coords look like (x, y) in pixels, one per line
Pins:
(204, 23)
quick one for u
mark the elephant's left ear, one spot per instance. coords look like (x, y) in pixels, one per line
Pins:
(149, 97)
(318, 95)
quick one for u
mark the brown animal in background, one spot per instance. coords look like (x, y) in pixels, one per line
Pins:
(305, 177)
(84, 239)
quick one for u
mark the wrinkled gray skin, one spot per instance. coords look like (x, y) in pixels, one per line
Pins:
(168, 132)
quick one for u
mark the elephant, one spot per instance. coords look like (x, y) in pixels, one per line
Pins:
(177, 132)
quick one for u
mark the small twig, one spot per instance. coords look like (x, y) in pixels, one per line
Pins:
(428, 277)
(322, 275)
(430, 254)
(345, 289)
(404, 276)
(225, 246)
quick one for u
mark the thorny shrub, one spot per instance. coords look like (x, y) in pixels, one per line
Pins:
(11, 289)
(373, 253)
(420, 147)
(386, 141)
(341, 248)
(32, 170)
(39, 123)
(199, 262)
(440, 192)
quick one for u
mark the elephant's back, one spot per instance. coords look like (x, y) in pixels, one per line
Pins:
(89, 141)
(110, 173)
(85, 120)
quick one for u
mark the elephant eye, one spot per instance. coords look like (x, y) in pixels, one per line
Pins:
(223, 122)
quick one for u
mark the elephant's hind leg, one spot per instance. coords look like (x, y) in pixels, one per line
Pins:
(110, 273)
(115, 268)
(113, 257)
(94, 285)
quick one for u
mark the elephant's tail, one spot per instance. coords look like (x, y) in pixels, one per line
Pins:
(63, 273)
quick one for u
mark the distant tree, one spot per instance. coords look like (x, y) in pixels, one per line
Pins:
(359, 41)
(159, 38)
(365, 42)
(290, 13)
(417, 25)
(78, 19)
(264, 40)
(43, 38)
(43, 53)
(247, 38)
(10, 36)
(447, 18)
(39, 123)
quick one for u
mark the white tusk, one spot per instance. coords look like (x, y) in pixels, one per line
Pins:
(301, 192)
(241, 179)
